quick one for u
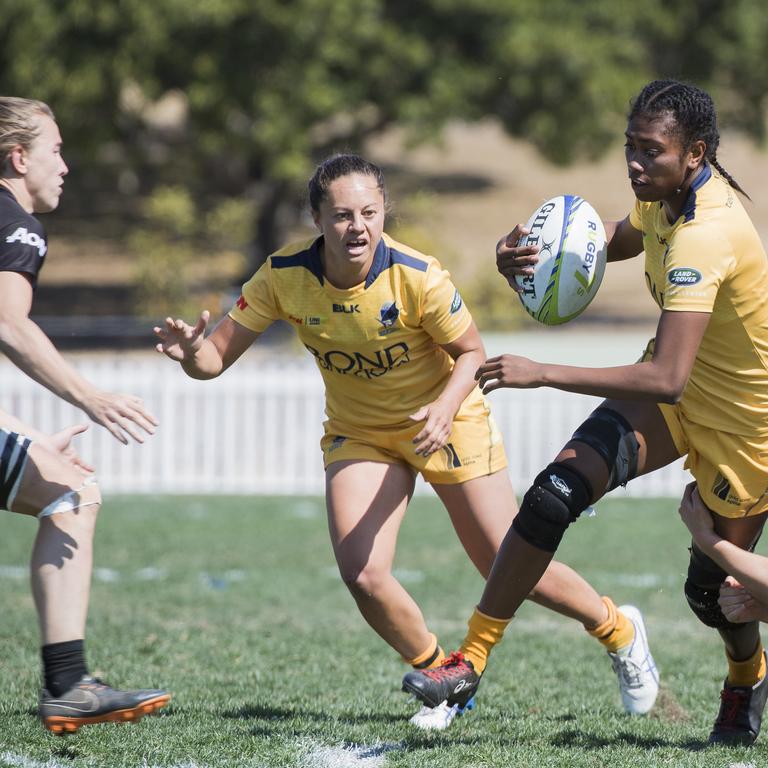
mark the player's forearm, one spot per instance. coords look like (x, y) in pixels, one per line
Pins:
(12, 424)
(640, 381)
(462, 379)
(206, 363)
(25, 344)
(748, 568)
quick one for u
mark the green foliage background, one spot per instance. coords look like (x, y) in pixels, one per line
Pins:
(230, 99)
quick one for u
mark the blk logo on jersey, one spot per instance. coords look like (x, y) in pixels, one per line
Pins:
(456, 303)
(346, 309)
(24, 236)
(241, 303)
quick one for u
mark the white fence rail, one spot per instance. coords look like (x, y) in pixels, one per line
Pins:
(257, 428)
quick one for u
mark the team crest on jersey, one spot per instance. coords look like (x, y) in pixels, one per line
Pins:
(456, 303)
(388, 315)
(23, 235)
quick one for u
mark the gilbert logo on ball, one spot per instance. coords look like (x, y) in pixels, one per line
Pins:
(572, 254)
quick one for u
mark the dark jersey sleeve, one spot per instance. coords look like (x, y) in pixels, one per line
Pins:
(23, 245)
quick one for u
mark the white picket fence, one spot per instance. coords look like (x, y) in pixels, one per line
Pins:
(257, 428)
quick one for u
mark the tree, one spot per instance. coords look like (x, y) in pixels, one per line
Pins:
(230, 98)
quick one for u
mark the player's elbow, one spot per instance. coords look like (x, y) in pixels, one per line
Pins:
(671, 391)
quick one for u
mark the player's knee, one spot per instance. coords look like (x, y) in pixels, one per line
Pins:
(363, 580)
(613, 437)
(557, 497)
(702, 589)
(83, 502)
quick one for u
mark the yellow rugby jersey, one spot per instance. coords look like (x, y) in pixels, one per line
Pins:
(377, 344)
(711, 260)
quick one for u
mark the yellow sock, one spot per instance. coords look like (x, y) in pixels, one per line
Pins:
(484, 632)
(748, 672)
(432, 657)
(617, 631)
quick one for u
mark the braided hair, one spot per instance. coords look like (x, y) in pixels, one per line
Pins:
(693, 112)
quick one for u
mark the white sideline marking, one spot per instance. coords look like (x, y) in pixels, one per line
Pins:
(307, 510)
(106, 574)
(12, 760)
(351, 756)
(742, 765)
(636, 580)
(403, 575)
(13, 572)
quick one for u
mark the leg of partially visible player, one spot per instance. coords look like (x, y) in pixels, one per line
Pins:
(745, 690)
(40, 483)
(366, 502)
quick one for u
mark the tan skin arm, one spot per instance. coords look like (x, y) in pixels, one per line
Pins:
(201, 356)
(661, 380)
(58, 442)
(750, 592)
(27, 346)
(467, 352)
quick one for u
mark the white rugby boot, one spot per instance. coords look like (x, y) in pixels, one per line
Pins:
(635, 667)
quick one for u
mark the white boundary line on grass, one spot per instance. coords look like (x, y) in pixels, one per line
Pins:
(13, 760)
(348, 756)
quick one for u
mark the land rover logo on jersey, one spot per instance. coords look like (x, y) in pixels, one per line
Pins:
(388, 314)
(23, 235)
(684, 276)
(456, 303)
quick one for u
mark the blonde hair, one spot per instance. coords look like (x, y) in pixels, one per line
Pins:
(19, 124)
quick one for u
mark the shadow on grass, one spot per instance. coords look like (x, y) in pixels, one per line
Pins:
(258, 712)
(578, 738)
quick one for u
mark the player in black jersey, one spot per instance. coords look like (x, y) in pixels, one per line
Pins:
(40, 475)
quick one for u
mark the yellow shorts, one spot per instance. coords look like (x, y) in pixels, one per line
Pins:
(731, 471)
(475, 449)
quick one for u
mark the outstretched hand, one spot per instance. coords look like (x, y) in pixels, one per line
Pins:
(61, 442)
(508, 371)
(120, 414)
(514, 260)
(179, 340)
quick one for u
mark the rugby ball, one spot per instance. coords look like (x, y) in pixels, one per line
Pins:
(572, 254)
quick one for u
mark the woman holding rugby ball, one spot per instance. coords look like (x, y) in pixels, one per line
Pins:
(700, 390)
(398, 350)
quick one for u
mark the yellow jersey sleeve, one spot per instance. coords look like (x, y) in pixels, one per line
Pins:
(257, 307)
(697, 262)
(444, 316)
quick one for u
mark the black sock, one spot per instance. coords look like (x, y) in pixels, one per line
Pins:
(63, 665)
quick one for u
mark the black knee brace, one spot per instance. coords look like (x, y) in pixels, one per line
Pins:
(702, 588)
(557, 497)
(612, 436)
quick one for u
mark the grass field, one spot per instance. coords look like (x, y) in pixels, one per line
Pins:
(235, 605)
